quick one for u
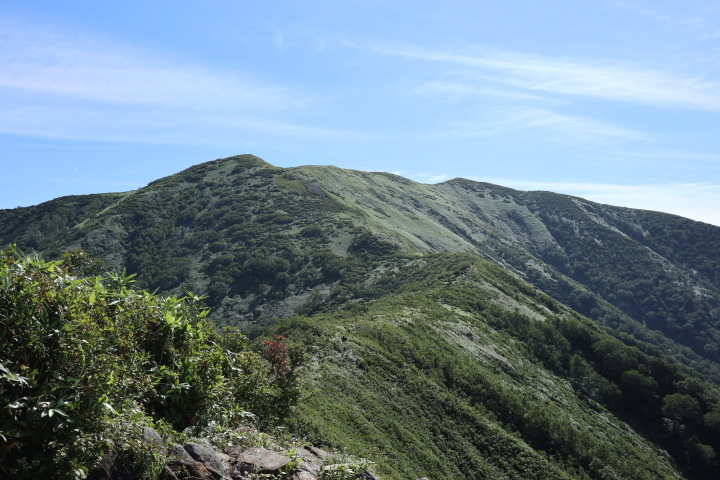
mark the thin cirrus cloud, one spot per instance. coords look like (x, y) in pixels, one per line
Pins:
(458, 90)
(82, 68)
(155, 126)
(567, 77)
(545, 125)
(58, 85)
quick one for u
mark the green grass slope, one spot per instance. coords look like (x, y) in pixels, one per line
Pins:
(649, 275)
(463, 371)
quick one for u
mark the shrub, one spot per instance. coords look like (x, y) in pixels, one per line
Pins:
(83, 359)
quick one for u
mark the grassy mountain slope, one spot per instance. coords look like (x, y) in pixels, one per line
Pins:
(265, 242)
(443, 321)
(634, 270)
(461, 370)
(235, 227)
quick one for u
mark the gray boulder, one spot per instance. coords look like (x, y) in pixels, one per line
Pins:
(302, 475)
(306, 455)
(179, 456)
(208, 456)
(151, 436)
(318, 452)
(199, 470)
(263, 460)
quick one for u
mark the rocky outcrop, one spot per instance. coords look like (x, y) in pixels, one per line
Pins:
(209, 457)
(199, 461)
(261, 460)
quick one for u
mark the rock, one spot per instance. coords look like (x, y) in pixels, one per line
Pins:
(199, 470)
(110, 467)
(271, 442)
(263, 460)
(238, 472)
(208, 456)
(318, 452)
(243, 429)
(302, 475)
(179, 456)
(232, 451)
(168, 474)
(310, 467)
(152, 438)
(306, 454)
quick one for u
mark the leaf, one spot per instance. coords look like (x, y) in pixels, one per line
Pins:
(59, 412)
(17, 404)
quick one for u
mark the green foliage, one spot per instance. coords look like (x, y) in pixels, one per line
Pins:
(465, 367)
(681, 408)
(86, 362)
(621, 265)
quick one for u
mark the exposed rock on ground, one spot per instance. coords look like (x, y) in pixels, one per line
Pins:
(199, 461)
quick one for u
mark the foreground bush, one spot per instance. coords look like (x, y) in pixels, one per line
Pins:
(87, 361)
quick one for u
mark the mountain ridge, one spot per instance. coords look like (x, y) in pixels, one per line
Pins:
(625, 303)
(515, 229)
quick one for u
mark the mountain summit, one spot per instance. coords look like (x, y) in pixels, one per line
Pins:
(462, 330)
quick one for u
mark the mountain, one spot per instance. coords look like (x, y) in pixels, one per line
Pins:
(458, 330)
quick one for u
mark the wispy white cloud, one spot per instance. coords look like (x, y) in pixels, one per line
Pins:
(423, 177)
(698, 201)
(588, 78)
(439, 178)
(55, 84)
(461, 90)
(582, 130)
(542, 125)
(66, 65)
(152, 125)
(702, 159)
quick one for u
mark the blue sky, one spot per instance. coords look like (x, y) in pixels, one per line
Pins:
(617, 101)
